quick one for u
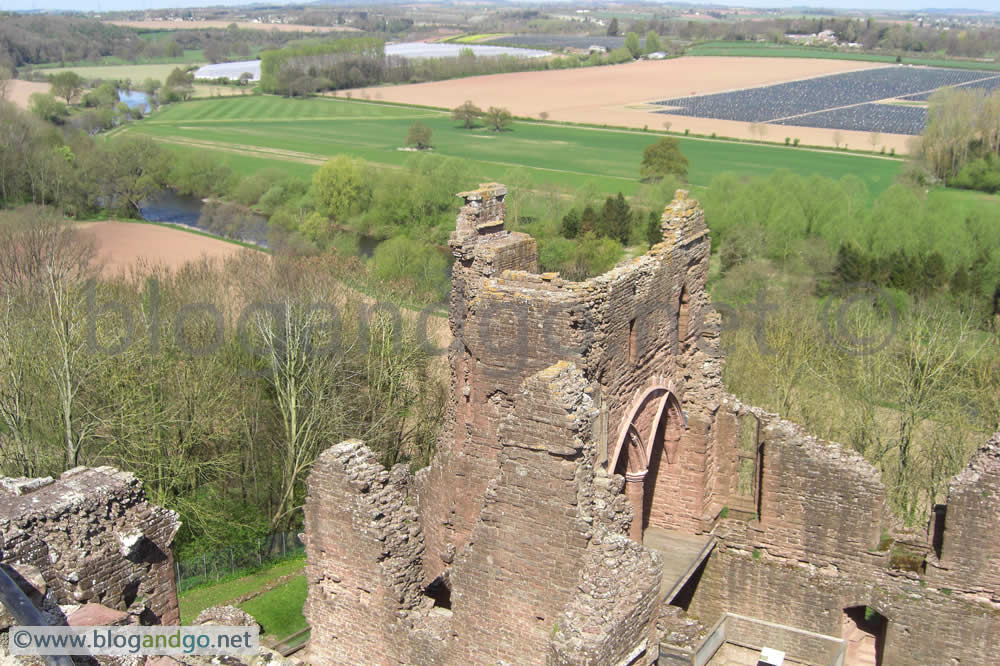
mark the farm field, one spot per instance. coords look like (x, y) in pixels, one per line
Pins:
(137, 73)
(189, 57)
(288, 133)
(843, 101)
(20, 92)
(120, 245)
(627, 93)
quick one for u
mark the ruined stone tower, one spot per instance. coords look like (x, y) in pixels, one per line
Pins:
(593, 483)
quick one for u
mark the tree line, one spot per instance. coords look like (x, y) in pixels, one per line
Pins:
(960, 145)
(948, 37)
(903, 239)
(29, 39)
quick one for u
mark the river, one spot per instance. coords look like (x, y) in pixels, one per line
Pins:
(169, 207)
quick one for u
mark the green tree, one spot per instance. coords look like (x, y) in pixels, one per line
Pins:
(467, 114)
(181, 83)
(339, 186)
(172, 49)
(633, 45)
(151, 86)
(616, 219)
(404, 260)
(419, 135)
(653, 42)
(129, 170)
(498, 119)
(661, 159)
(588, 220)
(613, 28)
(570, 226)
(654, 234)
(66, 85)
(47, 107)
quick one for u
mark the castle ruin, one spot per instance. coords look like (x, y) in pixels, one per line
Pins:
(598, 498)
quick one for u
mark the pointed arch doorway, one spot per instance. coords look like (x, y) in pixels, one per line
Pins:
(648, 438)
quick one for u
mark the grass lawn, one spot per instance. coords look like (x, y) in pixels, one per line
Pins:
(279, 611)
(279, 131)
(198, 599)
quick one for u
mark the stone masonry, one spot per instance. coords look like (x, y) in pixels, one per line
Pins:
(584, 415)
(91, 538)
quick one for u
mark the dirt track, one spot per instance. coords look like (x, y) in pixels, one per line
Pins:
(619, 95)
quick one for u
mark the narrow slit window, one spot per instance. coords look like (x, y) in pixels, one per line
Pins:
(633, 343)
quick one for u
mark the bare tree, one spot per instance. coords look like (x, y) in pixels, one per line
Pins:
(873, 139)
(5, 81)
(49, 262)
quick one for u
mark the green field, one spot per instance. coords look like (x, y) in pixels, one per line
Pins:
(190, 57)
(767, 49)
(299, 134)
(137, 73)
(474, 38)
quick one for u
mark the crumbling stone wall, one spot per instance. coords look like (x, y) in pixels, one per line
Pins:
(815, 550)
(94, 538)
(970, 545)
(363, 550)
(610, 618)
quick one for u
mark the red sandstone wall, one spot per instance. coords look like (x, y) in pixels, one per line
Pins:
(363, 553)
(819, 502)
(970, 554)
(525, 552)
(926, 626)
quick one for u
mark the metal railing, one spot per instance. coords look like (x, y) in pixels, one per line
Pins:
(226, 562)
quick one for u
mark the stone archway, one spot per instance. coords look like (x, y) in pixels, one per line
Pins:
(651, 429)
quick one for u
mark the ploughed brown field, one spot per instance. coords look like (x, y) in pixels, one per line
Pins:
(122, 246)
(246, 25)
(19, 91)
(621, 94)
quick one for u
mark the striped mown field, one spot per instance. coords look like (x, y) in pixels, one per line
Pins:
(301, 134)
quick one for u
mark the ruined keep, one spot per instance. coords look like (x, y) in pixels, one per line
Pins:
(598, 498)
(88, 548)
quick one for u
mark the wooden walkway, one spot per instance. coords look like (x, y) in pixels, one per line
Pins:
(682, 555)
